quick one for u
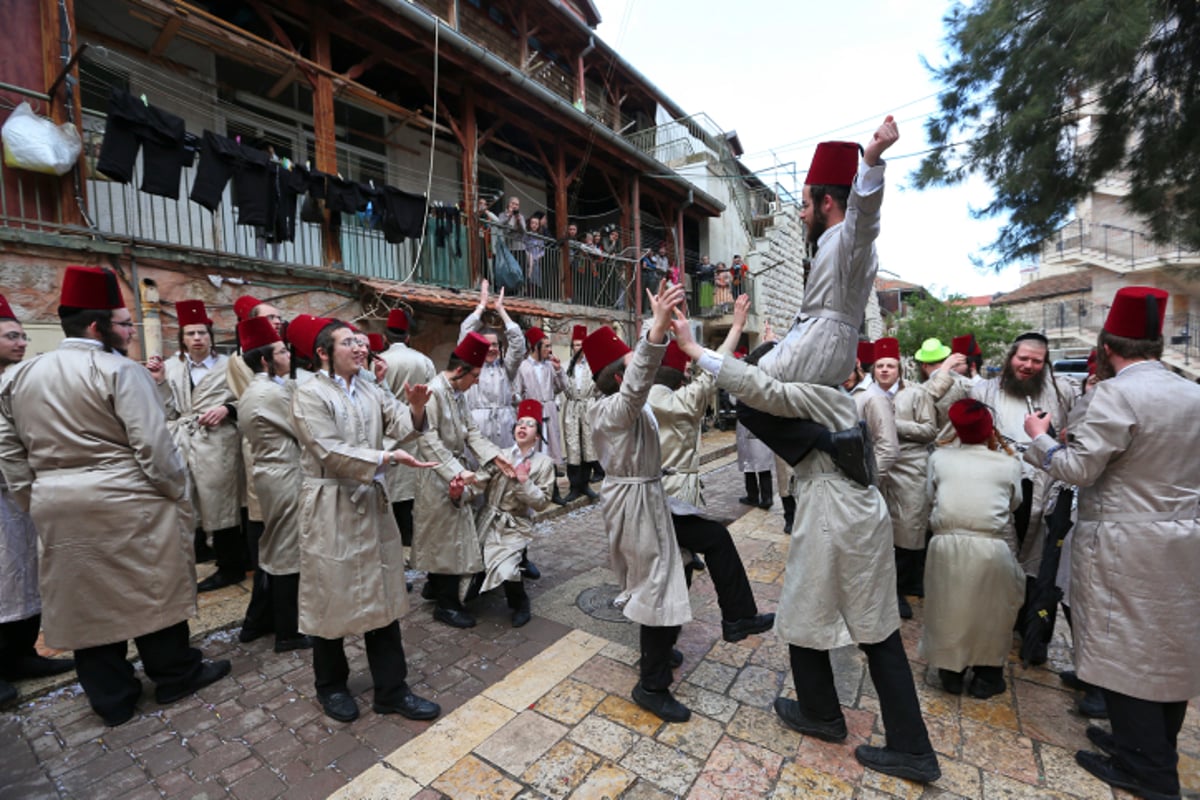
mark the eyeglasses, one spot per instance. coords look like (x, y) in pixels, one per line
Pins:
(527, 423)
(16, 336)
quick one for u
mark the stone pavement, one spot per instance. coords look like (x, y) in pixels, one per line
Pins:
(544, 710)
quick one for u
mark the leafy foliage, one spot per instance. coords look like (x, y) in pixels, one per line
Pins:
(1044, 98)
(931, 318)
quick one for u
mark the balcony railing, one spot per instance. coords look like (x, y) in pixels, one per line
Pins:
(1111, 243)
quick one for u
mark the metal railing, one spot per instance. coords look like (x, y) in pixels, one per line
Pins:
(1181, 337)
(1111, 243)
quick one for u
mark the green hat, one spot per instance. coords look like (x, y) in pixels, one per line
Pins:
(932, 351)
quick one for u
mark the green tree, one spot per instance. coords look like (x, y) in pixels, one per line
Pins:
(1019, 77)
(931, 318)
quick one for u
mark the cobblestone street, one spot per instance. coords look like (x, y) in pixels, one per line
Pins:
(544, 710)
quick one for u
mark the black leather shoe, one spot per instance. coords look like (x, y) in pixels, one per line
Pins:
(748, 500)
(739, 629)
(661, 704)
(36, 666)
(572, 496)
(905, 608)
(791, 715)
(339, 705)
(411, 706)
(1092, 704)
(590, 493)
(1070, 679)
(8, 694)
(676, 659)
(1102, 739)
(952, 681)
(218, 580)
(473, 587)
(293, 643)
(530, 570)
(920, 768)
(454, 618)
(210, 672)
(119, 718)
(248, 635)
(521, 615)
(427, 591)
(1107, 770)
(982, 688)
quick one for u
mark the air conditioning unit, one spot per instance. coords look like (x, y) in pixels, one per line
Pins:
(773, 206)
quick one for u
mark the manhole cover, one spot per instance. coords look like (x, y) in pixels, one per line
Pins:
(598, 602)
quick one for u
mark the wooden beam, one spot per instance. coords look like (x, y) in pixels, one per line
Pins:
(276, 30)
(51, 47)
(355, 72)
(289, 76)
(167, 34)
(470, 150)
(324, 129)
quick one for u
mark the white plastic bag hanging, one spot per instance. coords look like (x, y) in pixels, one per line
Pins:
(35, 143)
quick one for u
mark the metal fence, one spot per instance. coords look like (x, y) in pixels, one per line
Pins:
(1110, 243)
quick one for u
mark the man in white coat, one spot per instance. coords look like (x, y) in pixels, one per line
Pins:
(20, 603)
(351, 557)
(840, 582)
(84, 447)
(1135, 600)
(541, 378)
(491, 399)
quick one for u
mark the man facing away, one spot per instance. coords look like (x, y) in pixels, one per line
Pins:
(1135, 600)
(84, 444)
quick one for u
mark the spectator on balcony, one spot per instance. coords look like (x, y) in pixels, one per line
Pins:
(723, 294)
(515, 229)
(738, 271)
(704, 275)
(486, 220)
(589, 276)
(535, 249)
(613, 273)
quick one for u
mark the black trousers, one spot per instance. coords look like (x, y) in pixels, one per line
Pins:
(903, 725)
(108, 678)
(910, 571)
(514, 593)
(1146, 734)
(258, 611)
(712, 540)
(402, 510)
(229, 544)
(385, 657)
(656, 643)
(445, 590)
(17, 640)
(284, 604)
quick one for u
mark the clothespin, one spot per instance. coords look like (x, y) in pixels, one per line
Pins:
(308, 164)
(145, 102)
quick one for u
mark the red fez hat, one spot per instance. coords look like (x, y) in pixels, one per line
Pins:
(1137, 313)
(530, 408)
(966, 345)
(602, 347)
(376, 342)
(302, 333)
(972, 421)
(473, 349)
(834, 164)
(192, 312)
(887, 347)
(398, 320)
(255, 333)
(91, 288)
(533, 336)
(579, 333)
(866, 353)
(6, 311)
(675, 358)
(1091, 362)
(243, 306)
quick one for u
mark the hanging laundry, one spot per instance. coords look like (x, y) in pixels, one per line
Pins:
(222, 158)
(403, 214)
(132, 124)
(343, 196)
(286, 185)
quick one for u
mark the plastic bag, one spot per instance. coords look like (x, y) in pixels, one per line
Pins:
(508, 272)
(37, 144)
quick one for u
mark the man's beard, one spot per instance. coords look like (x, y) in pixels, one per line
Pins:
(817, 228)
(1104, 367)
(112, 341)
(1022, 387)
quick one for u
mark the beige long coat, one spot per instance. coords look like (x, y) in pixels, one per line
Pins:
(491, 400)
(404, 365)
(973, 583)
(19, 598)
(238, 376)
(840, 584)
(445, 540)
(84, 445)
(678, 414)
(505, 522)
(351, 556)
(577, 418)
(643, 553)
(1056, 399)
(265, 419)
(904, 487)
(946, 388)
(1135, 597)
(544, 382)
(874, 407)
(213, 455)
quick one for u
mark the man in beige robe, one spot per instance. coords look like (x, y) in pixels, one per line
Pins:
(490, 399)
(202, 415)
(445, 541)
(840, 583)
(351, 556)
(20, 603)
(85, 448)
(577, 421)
(1135, 599)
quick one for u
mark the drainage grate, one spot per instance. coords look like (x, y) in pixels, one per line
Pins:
(598, 602)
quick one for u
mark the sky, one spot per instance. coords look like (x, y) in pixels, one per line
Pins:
(786, 75)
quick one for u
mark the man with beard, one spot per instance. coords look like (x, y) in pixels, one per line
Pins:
(490, 398)
(1025, 379)
(20, 603)
(202, 415)
(1135, 600)
(84, 446)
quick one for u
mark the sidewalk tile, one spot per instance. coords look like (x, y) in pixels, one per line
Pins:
(756, 686)
(666, 767)
(449, 739)
(896, 787)
(561, 770)
(763, 728)
(471, 777)
(378, 783)
(697, 737)
(632, 716)
(521, 741)
(714, 676)
(1001, 787)
(702, 701)
(999, 751)
(733, 654)
(996, 711)
(737, 769)
(800, 782)
(569, 701)
(960, 778)
(611, 676)
(1064, 775)
(604, 783)
(604, 736)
